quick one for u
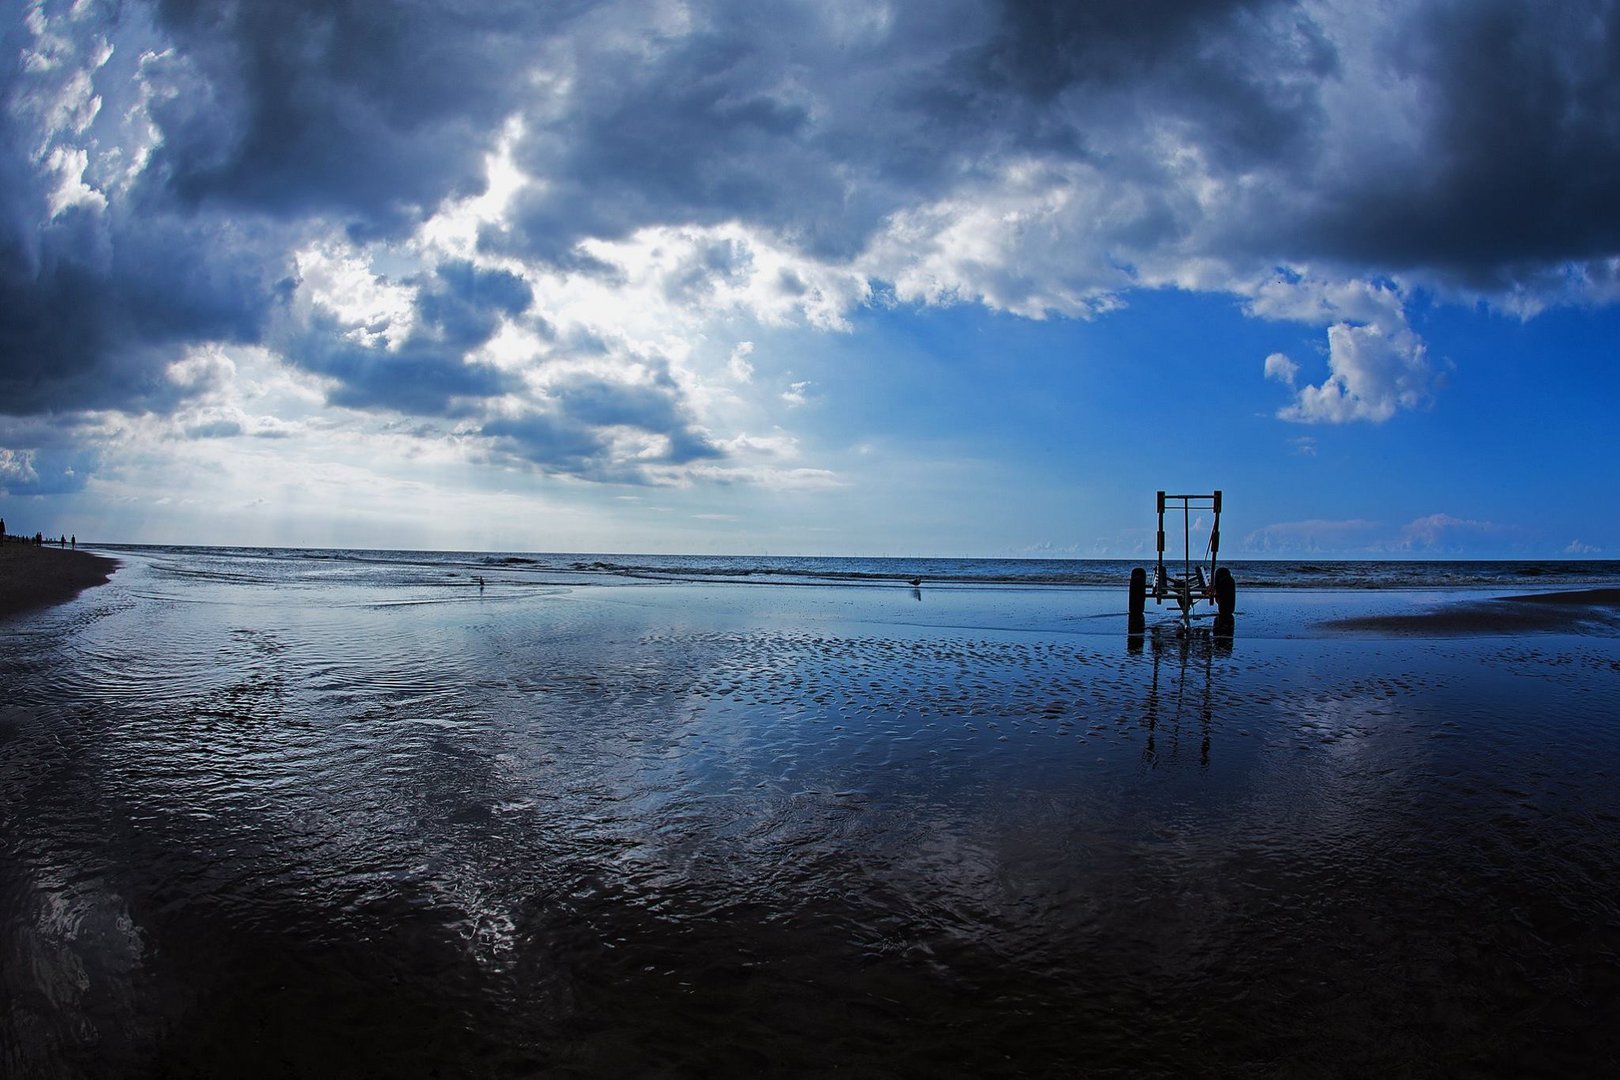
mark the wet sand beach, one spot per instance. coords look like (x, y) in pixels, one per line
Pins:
(35, 576)
(316, 816)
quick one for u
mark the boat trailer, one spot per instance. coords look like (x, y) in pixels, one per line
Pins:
(1201, 578)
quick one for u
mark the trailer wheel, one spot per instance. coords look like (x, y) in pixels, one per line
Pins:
(1225, 592)
(1136, 611)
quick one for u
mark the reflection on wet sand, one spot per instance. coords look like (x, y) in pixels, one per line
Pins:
(1198, 651)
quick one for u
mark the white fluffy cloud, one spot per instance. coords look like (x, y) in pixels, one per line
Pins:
(1279, 367)
(1372, 373)
(17, 469)
(1377, 365)
(738, 365)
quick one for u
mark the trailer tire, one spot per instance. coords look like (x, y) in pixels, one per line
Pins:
(1225, 593)
(1136, 611)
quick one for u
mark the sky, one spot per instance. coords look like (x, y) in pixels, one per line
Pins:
(953, 278)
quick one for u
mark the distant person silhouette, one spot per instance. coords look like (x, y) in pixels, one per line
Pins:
(73, 541)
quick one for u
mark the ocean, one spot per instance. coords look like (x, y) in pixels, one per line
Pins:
(385, 568)
(325, 813)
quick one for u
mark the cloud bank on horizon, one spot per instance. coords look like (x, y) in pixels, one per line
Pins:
(544, 237)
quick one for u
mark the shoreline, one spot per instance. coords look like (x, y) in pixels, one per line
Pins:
(34, 577)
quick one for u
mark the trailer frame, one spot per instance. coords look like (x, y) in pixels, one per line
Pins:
(1201, 579)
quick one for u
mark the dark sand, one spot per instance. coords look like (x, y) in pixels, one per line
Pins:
(33, 576)
(1555, 611)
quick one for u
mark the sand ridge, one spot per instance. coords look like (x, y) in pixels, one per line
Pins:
(1567, 611)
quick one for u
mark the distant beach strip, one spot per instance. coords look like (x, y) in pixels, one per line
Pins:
(34, 576)
(1568, 612)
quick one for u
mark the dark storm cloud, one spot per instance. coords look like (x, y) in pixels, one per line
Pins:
(1237, 72)
(372, 111)
(575, 434)
(708, 265)
(92, 312)
(1507, 168)
(97, 300)
(214, 429)
(553, 442)
(419, 379)
(652, 407)
(765, 115)
(465, 303)
(273, 115)
(1520, 155)
(755, 113)
(758, 114)
(457, 310)
(1045, 48)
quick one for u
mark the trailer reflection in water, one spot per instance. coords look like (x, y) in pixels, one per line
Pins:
(1171, 699)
